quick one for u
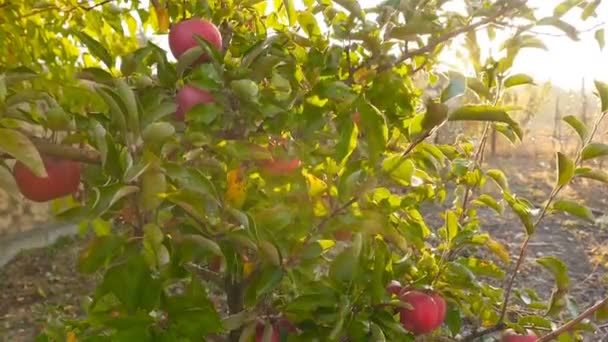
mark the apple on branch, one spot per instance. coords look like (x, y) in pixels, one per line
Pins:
(181, 36)
(63, 178)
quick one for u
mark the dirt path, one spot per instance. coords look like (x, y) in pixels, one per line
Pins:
(43, 283)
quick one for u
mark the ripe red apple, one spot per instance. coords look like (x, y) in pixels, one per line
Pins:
(63, 178)
(188, 97)
(181, 36)
(511, 336)
(394, 287)
(441, 308)
(281, 167)
(259, 334)
(425, 315)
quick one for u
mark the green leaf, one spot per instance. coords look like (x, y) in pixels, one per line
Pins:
(96, 75)
(485, 113)
(347, 142)
(564, 7)
(568, 29)
(291, 11)
(602, 90)
(399, 168)
(160, 111)
(132, 283)
(117, 113)
(187, 59)
(192, 313)
(373, 124)
(479, 88)
(7, 182)
(456, 87)
(592, 174)
(99, 252)
(352, 6)
(434, 116)
(488, 201)
(600, 38)
(535, 321)
(309, 24)
(498, 249)
(130, 101)
(518, 79)
(523, 210)
(482, 267)
(558, 269)
(112, 194)
(575, 209)
(95, 48)
(590, 9)
(565, 169)
(451, 225)
(158, 132)
(345, 266)
(499, 178)
(453, 320)
(20, 147)
(579, 127)
(594, 150)
(602, 314)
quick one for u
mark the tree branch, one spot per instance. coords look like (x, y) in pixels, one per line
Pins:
(570, 325)
(450, 35)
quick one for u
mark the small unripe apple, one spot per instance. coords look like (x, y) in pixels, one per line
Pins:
(511, 336)
(426, 314)
(394, 287)
(63, 178)
(181, 36)
(188, 97)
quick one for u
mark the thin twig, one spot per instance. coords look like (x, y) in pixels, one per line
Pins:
(448, 36)
(571, 324)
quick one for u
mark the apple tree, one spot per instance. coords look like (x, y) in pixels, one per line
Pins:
(266, 177)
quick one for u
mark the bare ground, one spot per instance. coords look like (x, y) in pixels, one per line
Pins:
(43, 283)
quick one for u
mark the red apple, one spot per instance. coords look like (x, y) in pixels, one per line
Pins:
(441, 308)
(63, 178)
(259, 334)
(394, 287)
(181, 36)
(188, 97)
(281, 167)
(424, 315)
(511, 336)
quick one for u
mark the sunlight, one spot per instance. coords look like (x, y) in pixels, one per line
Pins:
(566, 63)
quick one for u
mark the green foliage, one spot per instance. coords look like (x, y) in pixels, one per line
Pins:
(299, 192)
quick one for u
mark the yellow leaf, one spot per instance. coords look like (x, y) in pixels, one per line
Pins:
(71, 337)
(316, 186)
(162, 16)
(248, 268)
(236, 191)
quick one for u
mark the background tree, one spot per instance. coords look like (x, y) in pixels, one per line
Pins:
(269, 185)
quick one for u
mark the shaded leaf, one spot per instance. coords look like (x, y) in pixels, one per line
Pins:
(594, 150)
(20, 147)
(602, 90)
(565, 169)
(485, 113)
(518, 79)
(95, 48)
(558, 269)
(580, 128)
(575, 209)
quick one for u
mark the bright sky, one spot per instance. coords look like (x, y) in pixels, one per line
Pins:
(565, 63)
